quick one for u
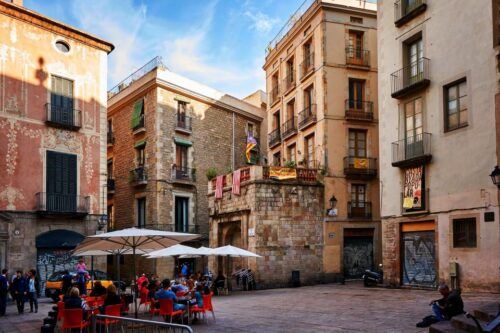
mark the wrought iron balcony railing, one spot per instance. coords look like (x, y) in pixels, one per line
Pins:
(307, 66)
(138, 176)
(358, 110)
(183, 173)
(289, 127)
(54, 203)
(184, 122)
(355, 56)
(274, 94)
(111, 185)
(360, 167)
(307, 116)
(406, 10)
(274, 137)
(359, 210)
(415, 150)
(63, 116)
(289, 81)
(410, 78)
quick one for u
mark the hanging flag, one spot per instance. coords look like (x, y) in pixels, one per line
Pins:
(251, 143)
(236, 182)
(219, 183)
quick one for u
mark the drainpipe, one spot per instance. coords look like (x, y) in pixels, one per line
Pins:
(232, 147)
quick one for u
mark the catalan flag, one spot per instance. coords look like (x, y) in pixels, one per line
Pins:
(251, 143)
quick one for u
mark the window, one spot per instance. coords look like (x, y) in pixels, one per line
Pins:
(456, 105)
(292, 153)
(309, 151)
(464, 232)
(358, 197)
(415, 54)
(413, 120)
(356, 94)
(181, 107)
(277, 159)
(141, 212)
(290, 75)
(138, 115)
(357, 143)
(61, 182)
(181, 214)
(308, 54)
(62, 46)
(110, 126)
(140, 152)
(111, 218)
(110, 168)
(290, 111)
(308, 97)
(355, 19)
(61, 101)
(181, 156)
(250, 130)
(276, 120)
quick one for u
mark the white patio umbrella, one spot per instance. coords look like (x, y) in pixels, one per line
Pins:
(233, 251)
(134, 239)
(172, 251)
(199, 252)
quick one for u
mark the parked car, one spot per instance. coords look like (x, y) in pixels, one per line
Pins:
(53, 285)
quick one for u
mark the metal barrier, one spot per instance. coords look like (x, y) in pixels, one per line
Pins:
(130, 325)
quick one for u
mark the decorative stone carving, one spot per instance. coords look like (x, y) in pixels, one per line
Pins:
(11, 194)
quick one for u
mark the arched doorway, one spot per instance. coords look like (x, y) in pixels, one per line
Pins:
(231, 235)
(54, 252)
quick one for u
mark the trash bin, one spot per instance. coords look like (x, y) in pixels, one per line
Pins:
(295, 279)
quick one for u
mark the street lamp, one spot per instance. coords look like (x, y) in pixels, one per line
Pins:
(333, 202)
(495, 176)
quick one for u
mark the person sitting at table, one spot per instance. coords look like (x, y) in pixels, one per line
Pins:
(111, 298)
(153, 287)
(191, 282)
(198, 298)
(73, 301)
(98, 289)
(167, 293)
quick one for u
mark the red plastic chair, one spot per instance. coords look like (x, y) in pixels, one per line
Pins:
(197, 309)
(110, 310)
(73, 318)
(153, 310)
(207, 304)
(60, 310)
(167, 309)
(144, 300)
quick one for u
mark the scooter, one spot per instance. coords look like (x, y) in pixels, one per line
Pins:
(372, 278)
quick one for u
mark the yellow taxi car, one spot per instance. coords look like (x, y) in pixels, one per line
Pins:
(53, 285)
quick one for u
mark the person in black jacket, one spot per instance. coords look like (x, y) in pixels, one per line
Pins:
(20, 289)
(449, 306)
(98, 289)
(67, 281)
(4, 289)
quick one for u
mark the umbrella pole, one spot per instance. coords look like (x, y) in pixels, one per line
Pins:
(92, 269)
(118, 270)
(133, 284)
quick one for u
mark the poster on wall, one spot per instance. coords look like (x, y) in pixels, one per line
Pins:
(280, 173)
(412, 189)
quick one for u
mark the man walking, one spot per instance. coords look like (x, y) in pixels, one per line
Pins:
(4, 289)
(20, 288)
(32, 291)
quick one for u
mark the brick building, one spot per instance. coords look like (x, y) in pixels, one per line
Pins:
(439, 142)
(280, 220)
(164, 132)
(321, 74)
(52, 138)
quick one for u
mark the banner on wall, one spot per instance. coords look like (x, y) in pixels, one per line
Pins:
(412, 189)
(251, 144)
(280, 173)
(360, 163)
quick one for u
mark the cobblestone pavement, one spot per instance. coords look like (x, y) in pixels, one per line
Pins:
(322, 308)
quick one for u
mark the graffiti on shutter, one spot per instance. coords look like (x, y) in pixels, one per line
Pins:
(53, 260)
(358, 256)
(419, 258)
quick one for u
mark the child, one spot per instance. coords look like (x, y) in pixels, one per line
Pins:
(81, 267)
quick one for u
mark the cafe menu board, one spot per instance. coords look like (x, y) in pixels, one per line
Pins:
(412, 189)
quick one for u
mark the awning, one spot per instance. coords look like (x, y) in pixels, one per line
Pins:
(140, 143)
(59, 239)
(183, 142)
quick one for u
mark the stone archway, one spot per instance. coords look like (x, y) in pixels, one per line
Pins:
(231, 235)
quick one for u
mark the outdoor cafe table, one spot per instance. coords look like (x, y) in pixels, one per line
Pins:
(186, 300)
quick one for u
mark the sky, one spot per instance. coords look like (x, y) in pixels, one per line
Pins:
(220, 43)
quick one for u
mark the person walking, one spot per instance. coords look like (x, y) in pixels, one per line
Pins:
(4, 290)
(20, 288)
(32, 292)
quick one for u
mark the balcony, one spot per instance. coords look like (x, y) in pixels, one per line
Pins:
(138, 176)
(111, 138)
(289, 82)
(307, 66)
(274, 137)
(274, 95)
(406, 10)
(111, 186)
(183, 123)
(360, 167)
(410, 79)
(289, 127)
(412, 151)
(62, 204)
(357, 58)
(139, 127)
(307, 116)
(183, 174)
(64, 117)
(359, 210)
(358, 110)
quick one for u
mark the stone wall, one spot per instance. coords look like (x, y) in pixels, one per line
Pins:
(281, 221)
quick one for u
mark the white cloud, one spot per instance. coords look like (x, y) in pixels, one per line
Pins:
(261, 22)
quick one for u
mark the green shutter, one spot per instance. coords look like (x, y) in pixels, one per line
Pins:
(140, 143)
(136, 115)
(183, 142)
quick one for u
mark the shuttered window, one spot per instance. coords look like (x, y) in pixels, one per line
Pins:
(61, 182)
(61, 101)
(138, 115)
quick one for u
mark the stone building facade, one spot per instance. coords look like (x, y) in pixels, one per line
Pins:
(439, 142)
(52, 138)
(321, 75)
(282, 221)
(165, 132)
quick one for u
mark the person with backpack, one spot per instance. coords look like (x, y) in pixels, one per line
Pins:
(4, 290)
